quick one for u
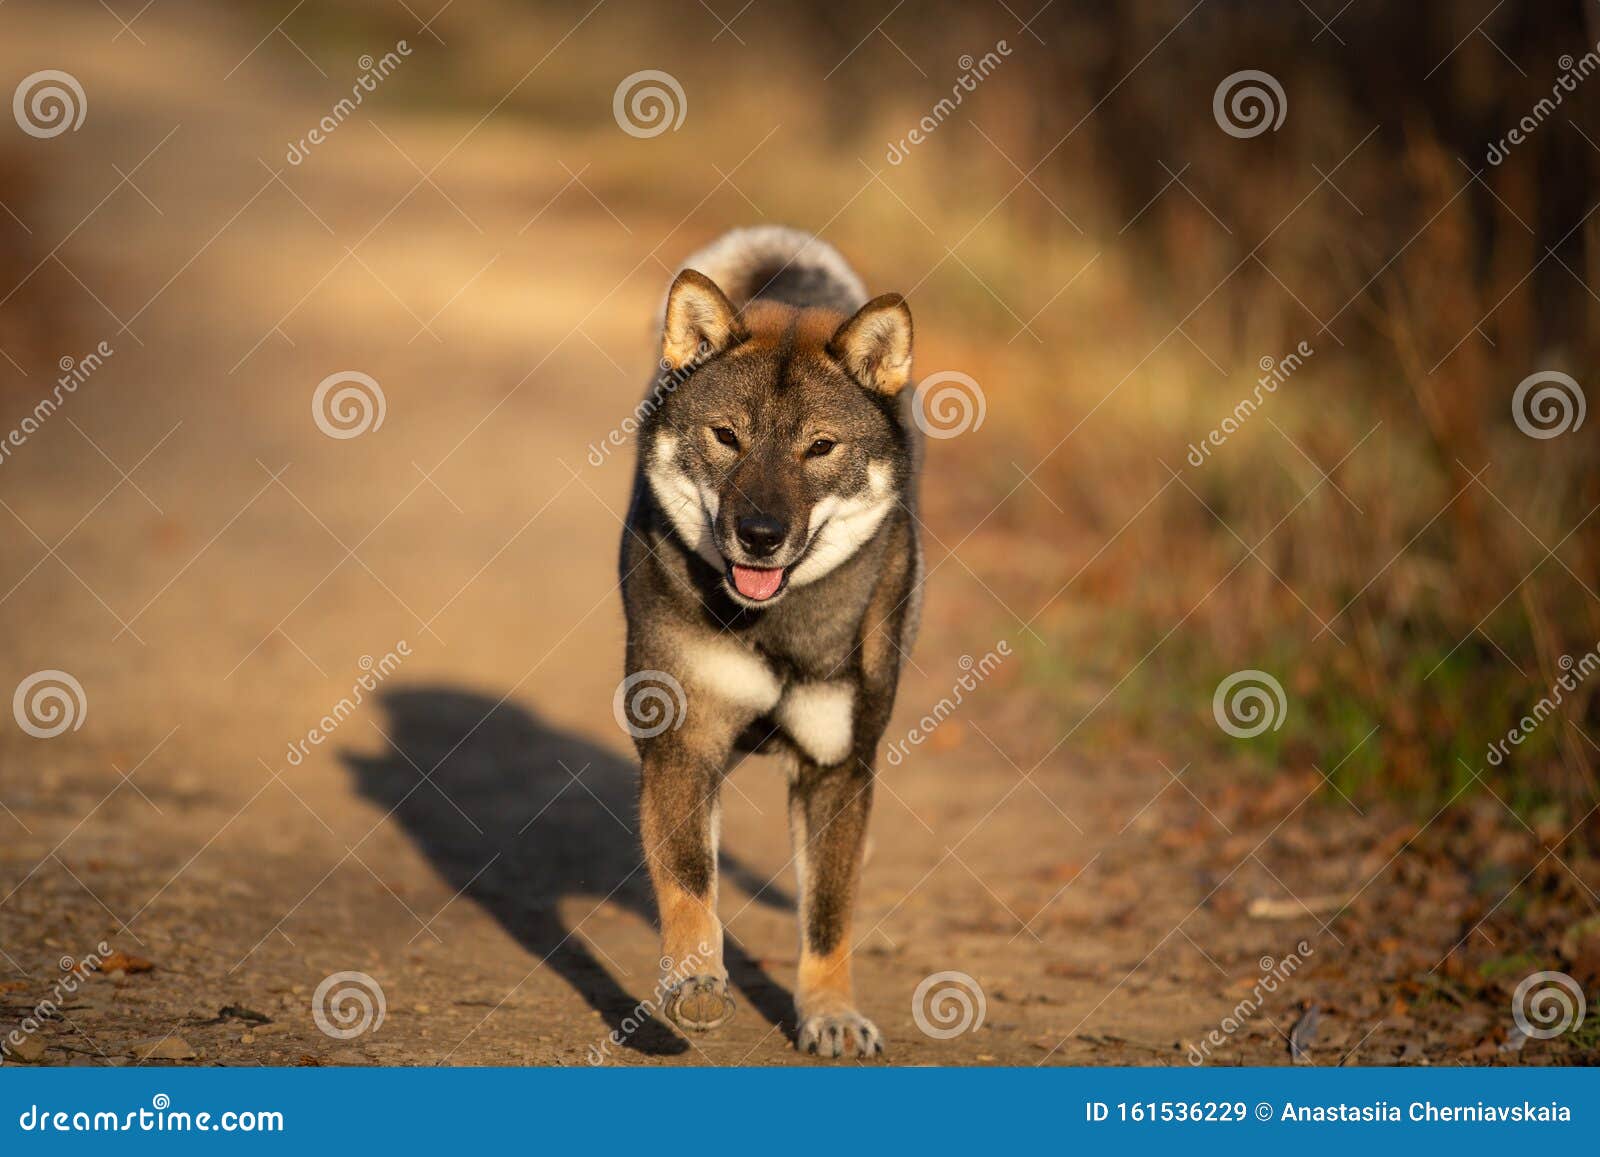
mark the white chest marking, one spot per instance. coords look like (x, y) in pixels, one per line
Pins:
(819, 717)
(727, 671)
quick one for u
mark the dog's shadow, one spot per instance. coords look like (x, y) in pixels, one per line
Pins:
(518, 816)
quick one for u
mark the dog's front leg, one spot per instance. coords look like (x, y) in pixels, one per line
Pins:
(678, 823)
(828, 810)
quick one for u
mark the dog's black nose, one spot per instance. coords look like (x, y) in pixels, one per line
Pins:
(761, 534)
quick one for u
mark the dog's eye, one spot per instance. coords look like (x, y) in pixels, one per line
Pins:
(726, 436)
(820, 448)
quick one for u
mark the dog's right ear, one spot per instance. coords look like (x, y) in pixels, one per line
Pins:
(700, 321)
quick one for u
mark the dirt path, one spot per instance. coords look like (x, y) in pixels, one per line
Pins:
(220, 573)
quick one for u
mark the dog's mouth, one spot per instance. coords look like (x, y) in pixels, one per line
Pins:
(758, 584)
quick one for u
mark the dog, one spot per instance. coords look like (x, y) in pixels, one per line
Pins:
(771, 578)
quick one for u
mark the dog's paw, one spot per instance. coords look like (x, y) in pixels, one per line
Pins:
(839, 1034)
(699, 1003)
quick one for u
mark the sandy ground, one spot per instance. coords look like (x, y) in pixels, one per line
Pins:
(217, 574)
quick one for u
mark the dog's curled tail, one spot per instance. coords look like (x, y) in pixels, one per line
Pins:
(777, 263)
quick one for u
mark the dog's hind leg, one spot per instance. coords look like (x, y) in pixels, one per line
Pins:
(678, 818)
(828, 810)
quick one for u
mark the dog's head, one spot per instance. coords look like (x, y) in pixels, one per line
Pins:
(778, 452)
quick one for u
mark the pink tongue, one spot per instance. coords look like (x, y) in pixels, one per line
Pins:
(754, 583)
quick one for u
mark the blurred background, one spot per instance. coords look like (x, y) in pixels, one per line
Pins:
(1243, 304)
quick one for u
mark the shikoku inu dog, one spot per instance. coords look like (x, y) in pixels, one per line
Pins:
(771, 573)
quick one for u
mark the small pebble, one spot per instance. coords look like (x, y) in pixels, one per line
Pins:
(29, 1050)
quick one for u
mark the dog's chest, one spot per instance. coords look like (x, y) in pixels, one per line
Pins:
(819, 718)
(817, 714)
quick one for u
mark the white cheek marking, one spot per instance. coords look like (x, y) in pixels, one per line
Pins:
(825, 509)
(725, 670)
(850, 522)
(879, 477)
(820, 718)
(840, 525)
(690, 507)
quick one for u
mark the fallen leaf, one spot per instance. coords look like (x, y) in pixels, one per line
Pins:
(119, 962)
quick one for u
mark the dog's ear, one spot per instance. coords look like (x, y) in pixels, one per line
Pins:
(875, 344)
(700, 321)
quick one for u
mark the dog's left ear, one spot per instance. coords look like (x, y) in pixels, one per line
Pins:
(875, 344)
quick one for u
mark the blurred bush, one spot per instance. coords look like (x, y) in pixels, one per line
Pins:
(1380, 532)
